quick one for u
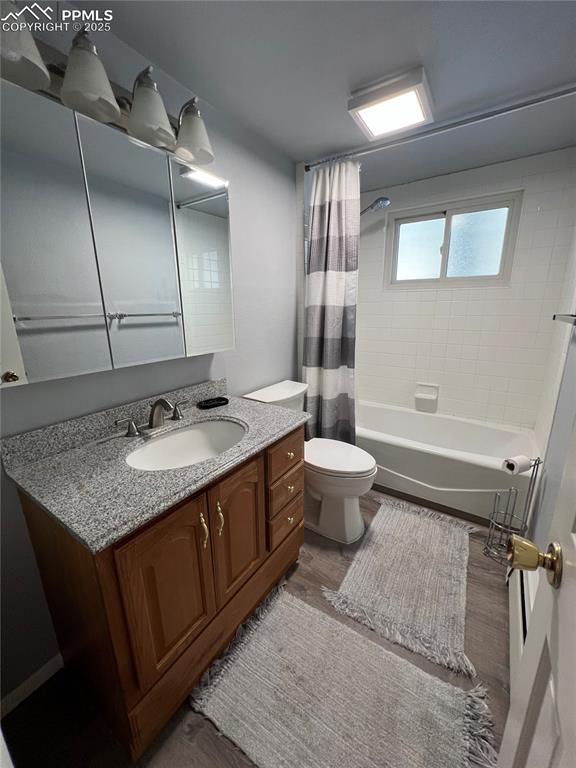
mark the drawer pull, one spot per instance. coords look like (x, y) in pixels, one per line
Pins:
(290, 455)
(205, 529)
(290, 488)
(290, 520)
(220, 518)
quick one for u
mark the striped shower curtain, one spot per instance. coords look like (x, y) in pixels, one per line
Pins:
(331, 288)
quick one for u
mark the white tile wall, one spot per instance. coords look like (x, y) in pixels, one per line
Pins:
(558, 349)
(205, 282)
(489, 348)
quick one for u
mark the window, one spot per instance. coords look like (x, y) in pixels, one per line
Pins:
(466, 242)
(203, 270)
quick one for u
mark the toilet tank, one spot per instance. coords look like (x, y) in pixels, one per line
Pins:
(289, 394)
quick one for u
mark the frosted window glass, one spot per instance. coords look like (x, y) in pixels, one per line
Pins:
(419, 254)
(476, 241)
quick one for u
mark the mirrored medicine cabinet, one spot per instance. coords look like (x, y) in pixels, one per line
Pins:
(113, 252)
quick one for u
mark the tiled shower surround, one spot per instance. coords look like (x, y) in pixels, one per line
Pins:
(492, 350)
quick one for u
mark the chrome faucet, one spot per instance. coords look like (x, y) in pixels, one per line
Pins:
(157, 412)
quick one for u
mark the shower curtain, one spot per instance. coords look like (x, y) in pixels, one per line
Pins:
(330, 305)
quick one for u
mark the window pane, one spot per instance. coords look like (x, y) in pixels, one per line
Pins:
(419, 254)
(476, 241)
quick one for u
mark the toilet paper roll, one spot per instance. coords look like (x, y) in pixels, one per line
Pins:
(515, 465)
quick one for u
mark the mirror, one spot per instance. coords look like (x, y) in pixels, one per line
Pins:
(202, 237)
(48, 254)
(129, 192)
(114, 253)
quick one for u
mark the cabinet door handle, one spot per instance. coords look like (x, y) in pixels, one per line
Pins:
(220, 518)
(290, 488)
(290, 455)
(290, 520)
(205, 529)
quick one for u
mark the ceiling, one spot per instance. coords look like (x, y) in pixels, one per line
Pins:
(286, 69)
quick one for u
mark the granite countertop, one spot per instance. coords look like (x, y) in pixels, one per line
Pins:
(92, 491)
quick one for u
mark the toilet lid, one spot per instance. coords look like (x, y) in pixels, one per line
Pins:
(332, 457)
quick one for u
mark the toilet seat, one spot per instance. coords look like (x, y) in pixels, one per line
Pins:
(333, 457)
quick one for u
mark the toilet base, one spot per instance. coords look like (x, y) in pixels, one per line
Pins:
(334, 517)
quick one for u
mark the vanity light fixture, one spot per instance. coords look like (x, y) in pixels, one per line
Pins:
(193, 142)
(203, 177)
(21, 60)
(392, 105)
(86, 87)
(148, 120)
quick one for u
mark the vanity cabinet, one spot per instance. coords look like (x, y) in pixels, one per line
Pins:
(167, 585)
(144, 618)
(237, 520)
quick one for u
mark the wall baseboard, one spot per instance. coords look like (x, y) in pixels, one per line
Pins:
(27, 688)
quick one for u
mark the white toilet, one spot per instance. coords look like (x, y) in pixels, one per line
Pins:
(336, 474)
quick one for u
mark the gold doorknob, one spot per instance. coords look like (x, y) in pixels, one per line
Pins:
(9, 376)
(525, 555)
(290, 455)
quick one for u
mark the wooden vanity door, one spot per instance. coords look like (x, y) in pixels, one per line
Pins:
(237, 522)
(167, 586)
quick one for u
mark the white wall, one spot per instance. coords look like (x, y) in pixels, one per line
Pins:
(263, 223)
(490, 349)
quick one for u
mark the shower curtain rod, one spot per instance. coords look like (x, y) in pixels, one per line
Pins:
(561, 93)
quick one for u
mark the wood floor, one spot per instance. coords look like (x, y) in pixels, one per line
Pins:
(59, 726)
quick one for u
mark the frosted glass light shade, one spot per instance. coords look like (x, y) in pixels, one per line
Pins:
(148, 120)
(86, 87)
(193, 142)
(21, 60)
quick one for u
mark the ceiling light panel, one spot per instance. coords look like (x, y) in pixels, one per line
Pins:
(393, 105)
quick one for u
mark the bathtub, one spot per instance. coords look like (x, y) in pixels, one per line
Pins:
(444, 459)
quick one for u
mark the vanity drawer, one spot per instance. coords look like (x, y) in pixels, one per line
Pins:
(286, 522)
(285, 455)
(285, 489)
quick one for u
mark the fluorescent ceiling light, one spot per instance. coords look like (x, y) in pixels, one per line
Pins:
(392, 105)
(393, 114)
(203, 177)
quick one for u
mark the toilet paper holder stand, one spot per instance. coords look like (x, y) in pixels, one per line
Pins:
(505, 520)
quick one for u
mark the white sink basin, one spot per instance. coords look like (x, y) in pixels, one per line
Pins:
(186, 446)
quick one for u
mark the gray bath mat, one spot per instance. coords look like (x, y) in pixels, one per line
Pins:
(301, 690)
(408, 582)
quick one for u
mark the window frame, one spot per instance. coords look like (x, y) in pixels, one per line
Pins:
(446, 210)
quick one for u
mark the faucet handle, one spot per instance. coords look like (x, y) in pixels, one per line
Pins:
(177, 413)
(132, 430)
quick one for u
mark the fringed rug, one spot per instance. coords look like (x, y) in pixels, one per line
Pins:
(408, 582)
(300, 689)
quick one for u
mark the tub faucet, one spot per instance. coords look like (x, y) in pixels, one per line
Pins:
(157, 412)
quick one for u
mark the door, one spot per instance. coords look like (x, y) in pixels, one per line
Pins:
(540, 730)
(167, 587)
(237, 520)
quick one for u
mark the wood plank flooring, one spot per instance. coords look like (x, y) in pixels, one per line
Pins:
(59, 726)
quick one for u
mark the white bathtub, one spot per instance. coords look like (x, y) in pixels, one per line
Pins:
(451, 461)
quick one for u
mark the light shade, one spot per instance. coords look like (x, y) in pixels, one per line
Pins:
(193, 142)
(86, 87)
(392, 105)
(148, 119)
(21, 60)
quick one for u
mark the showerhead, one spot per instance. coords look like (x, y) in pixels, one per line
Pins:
(376, 205)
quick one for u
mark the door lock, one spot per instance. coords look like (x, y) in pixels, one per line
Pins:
(525, 555)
